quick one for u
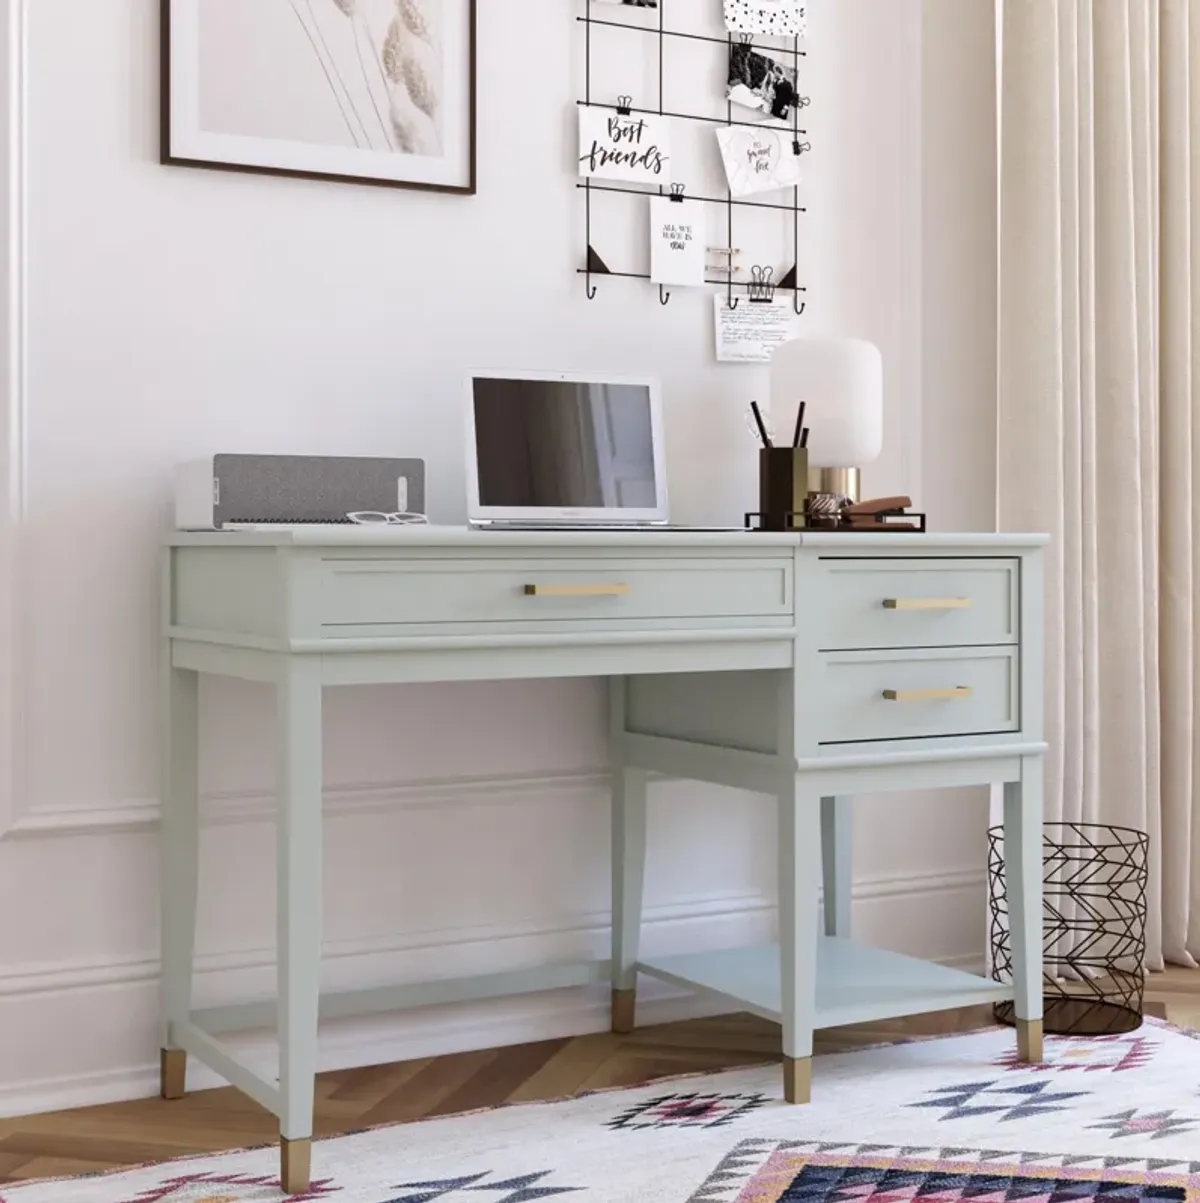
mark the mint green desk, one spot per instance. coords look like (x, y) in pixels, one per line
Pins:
(808, 667)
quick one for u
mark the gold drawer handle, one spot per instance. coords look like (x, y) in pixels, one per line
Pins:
(576, 590)
(928, 695)
(926, 603)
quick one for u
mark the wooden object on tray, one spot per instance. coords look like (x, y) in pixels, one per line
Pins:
(875, 510)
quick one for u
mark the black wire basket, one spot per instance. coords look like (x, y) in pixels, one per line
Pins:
(1094, 927)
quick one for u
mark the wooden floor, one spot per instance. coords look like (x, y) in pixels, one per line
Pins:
(105, 1138)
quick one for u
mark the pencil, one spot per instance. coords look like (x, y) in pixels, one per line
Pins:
(762, 426)
(799, 424)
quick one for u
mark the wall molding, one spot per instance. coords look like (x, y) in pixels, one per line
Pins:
(359, 1045)
(128, 969)
(14, 366)
(535, 1017)
(73, 994)
(92, 974)
(233, 808)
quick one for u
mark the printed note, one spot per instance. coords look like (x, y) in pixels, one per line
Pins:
(751, 332)
(677, 252)
(634, 148)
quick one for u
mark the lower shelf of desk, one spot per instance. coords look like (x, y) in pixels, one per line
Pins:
(855, 983)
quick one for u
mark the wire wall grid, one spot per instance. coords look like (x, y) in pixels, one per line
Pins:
(757, 290)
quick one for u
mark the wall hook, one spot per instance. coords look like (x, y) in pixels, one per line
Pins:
(663, 295)
(591, 290)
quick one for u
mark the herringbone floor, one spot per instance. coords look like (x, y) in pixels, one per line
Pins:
(105, 1138)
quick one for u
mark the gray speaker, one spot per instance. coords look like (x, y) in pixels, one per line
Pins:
(253, 489)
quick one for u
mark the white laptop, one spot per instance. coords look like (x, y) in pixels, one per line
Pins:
(559, 450)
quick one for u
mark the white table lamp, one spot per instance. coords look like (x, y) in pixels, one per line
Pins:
(840, 380)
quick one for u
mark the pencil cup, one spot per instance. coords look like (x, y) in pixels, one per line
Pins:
(782, 487)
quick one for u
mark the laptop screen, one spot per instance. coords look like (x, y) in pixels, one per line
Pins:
(564, 445)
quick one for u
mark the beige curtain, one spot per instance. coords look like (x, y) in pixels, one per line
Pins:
(1099, 441)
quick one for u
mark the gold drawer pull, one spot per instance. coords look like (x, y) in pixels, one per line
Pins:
(928, 695)
(576, 590)
(926, 603)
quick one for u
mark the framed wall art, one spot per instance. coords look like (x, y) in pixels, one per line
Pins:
(364, 91)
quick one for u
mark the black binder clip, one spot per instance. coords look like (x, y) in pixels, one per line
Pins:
(677, 193)
(624, 106)
(761, 289)
(800, 148)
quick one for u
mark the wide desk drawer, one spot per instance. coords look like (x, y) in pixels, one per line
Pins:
(933, 694)
(375, 593)
(936, 602)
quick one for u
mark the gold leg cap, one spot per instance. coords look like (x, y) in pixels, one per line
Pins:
(295, 1166)
(624, 1003)
(1029, 1041)
(797, 1079)
(172, 1073)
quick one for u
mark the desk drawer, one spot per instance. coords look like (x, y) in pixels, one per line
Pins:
(948, 602)
(387, 593)
(932, 694)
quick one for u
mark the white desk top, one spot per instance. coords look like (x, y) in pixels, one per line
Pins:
(476, 540)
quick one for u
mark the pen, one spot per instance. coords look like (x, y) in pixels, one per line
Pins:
(762, 426)
(799, 424)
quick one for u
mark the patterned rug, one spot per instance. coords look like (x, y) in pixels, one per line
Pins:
(954, 1120)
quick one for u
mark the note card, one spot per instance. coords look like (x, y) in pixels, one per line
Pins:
(758, 159)
(634, 148)
(677, 253)
(779, 18)
(751, 332)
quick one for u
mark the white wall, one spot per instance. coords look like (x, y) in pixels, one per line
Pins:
(155, 314)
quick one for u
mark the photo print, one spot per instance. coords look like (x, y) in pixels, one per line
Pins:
(776, 18)
(758, 81)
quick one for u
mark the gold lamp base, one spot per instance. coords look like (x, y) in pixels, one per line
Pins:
(842, 482)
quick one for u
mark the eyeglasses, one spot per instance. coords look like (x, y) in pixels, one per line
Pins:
(376, 518)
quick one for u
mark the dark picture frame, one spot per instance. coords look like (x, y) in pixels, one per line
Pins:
(395, 135)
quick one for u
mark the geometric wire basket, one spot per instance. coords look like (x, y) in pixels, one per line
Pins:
(1093, 930)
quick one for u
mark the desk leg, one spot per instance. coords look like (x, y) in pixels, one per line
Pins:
(298, 911)
(1023, 883)
(179, 855)
(799, 838)
(837, 863)
(628, 875)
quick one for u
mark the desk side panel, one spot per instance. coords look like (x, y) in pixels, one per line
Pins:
(234, 591)
(1033, 644)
